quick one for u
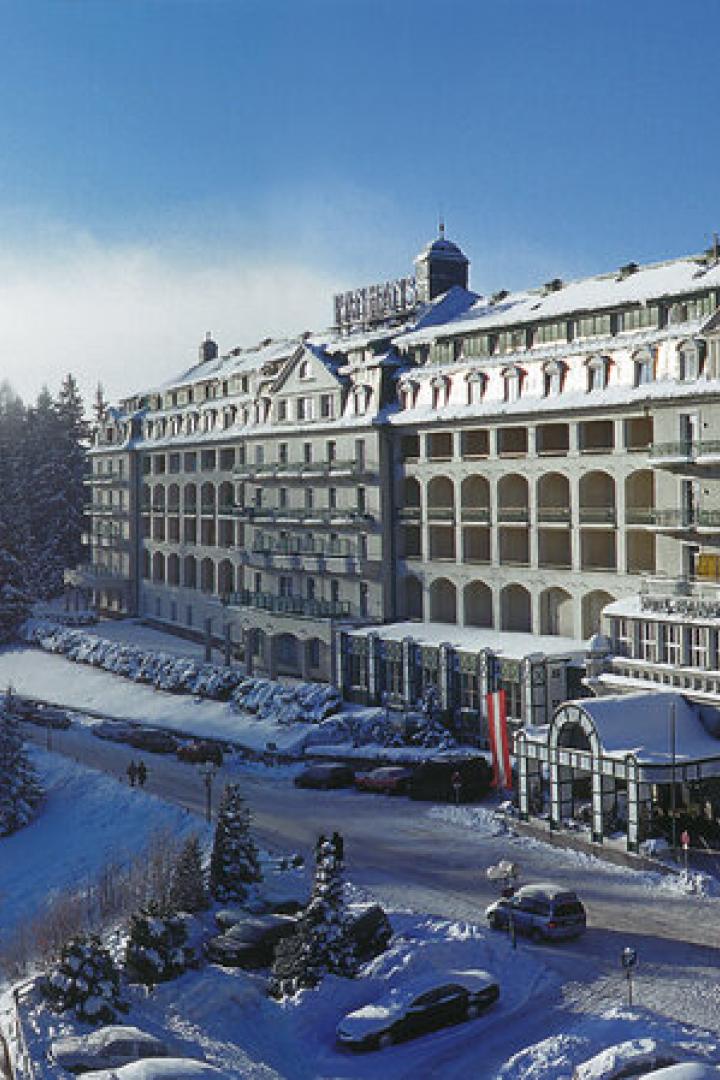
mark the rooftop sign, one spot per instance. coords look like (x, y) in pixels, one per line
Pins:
(364, 307)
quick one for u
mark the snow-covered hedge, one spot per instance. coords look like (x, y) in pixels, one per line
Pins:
(308, 702)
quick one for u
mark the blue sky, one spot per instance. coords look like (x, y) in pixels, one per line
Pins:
(173, 166)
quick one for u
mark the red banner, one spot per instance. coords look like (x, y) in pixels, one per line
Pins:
(499, 743)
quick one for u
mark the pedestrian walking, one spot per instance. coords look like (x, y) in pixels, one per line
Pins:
(456, 784)
(339, 845)
(132, 772)
(142, 774)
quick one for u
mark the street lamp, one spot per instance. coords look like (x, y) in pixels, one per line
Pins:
(208, 771)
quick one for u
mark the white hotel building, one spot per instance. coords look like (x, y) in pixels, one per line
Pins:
(444, 489)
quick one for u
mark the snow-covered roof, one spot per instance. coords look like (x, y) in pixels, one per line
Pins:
(655, 282)
(474, 639)
(642, 725)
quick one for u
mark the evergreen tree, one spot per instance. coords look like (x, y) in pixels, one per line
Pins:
(234, 861)
(20, 791)
(87, 981)
(156, 947)
(322, 943)
(14, 601)
(188, 891)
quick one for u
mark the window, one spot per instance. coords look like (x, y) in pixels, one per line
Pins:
(672, 644)
(303, 409)
(244, 384)
(644, 368)
(332, 498)
(304, 371)
(282, 498)
(361, 500)
(699, 637)
(258, 497)
(313, 653)
(595, 325)
(407, 392)
(330, 452)
(310, 588)
(597, 367)
(283, 453)
(689, 361)
(476, 384)
(326, 406)
(553, 377)
(258, 582)
(282, 410)
(361, 399)
(259, 455)
(512, 384)
(363, 599)
(309, 498)
(648, 642)
(362, 546)
(440, 390)
(640, 318)
(334, 591)
(307, 453)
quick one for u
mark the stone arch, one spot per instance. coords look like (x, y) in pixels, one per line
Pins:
(413, 598)
(640, 491)
(553, 495)
(190, 498)
(475, 492)
(207, 575)
(443, 601)
(515, 609)
(173, 498)
(478, 604)
(411, 491)
(158, 567)
(513, 492)
(173, 569)
(207, 496)
(556, 613)
(441, 493)
(225, 578)
(190, 572)
(226, 494)
(597, 491)
(158, 499)
(592, 606)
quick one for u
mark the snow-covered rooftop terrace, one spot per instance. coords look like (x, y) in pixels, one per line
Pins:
(474, 639)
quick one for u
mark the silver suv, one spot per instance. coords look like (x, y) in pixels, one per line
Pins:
(544, 912)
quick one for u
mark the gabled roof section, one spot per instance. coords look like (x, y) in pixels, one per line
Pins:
(316, 354)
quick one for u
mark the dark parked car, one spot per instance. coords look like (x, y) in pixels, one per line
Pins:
(434, 779)
(330, 774)
(153, 740)
(114, 730)
(251, 942)
(47, 716)
(201, 750)
(545, 912)
(387, 780)
(417, 1009)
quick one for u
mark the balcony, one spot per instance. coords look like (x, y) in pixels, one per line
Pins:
(680, 596)
(296, 606)
(101, 510)
(513, 515)
(303, 545)
(671, 520)
(303, 516)
(92, 575)
(673, 453)
(107, 479)
(597, 515)
(277, 470)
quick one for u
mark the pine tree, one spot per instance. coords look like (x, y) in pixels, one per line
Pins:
(156, 947)
(189, 889)
(20, 791)
(14, 601)
(322, 943)
(234, 861)
(87, 981)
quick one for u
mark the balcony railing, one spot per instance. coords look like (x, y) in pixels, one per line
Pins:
(95, 574)
(479, 514)
(280, 470)
(305, 516)
(597, 515)
(683, 450)
(680, 596)
(640, 515)
(290, 605)
(303, 545)
(409, 513)
(519, 515)
(554, 514)
(440, 513)
(677, 518)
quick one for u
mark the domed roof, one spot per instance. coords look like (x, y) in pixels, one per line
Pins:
(442, 248)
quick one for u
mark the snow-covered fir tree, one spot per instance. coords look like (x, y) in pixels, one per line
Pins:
(234, 862)
(156, 948)
(20, 791)
(322, 943)
(189, 890)
(87, 981)
(14, 600)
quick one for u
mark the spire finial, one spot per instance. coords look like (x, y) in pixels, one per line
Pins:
(441, 228)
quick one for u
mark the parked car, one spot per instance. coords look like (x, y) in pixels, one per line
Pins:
(324, 775)
(201, 750)
(107, 1048)
(433, 779)
(543, 911)
(632, 1058)
(167, 1069)
(114, 730)
(250, 943)
(419, 1008)
(153, 739)
(47, 716)
(386, 780)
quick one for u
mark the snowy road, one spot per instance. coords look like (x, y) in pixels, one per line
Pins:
(414, 856)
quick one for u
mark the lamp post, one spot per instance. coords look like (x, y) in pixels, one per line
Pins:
(208, 771)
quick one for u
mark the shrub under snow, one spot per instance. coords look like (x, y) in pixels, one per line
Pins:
(87, 981)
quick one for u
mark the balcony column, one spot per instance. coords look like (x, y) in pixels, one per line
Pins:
(619, 436)
(457, 526)
(574, 438)
(621, 529)
(494, 532)
(575, 545)
(532, 518)
(424, 526)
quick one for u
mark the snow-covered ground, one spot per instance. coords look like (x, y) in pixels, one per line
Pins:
(551, 1015)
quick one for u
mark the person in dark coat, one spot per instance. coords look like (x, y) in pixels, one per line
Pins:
(142, 773)
(339, 845)
(132, 772)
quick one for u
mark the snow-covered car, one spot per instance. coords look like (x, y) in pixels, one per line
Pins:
(542, 911)
(250, 943)
(386, 780)
(153, 739)
(169, 1069)
(326, 774)
(113, 730)
(632, 1058)
(686, 1070)
(107, 1048)
(47, 716)
(418, 1008)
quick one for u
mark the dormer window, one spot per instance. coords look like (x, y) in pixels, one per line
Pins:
(440, 391)
(304, 370)
(644, 368)
(597, 373)
(476, 385)
(553, 378)
(512, 383)
(361, 400)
